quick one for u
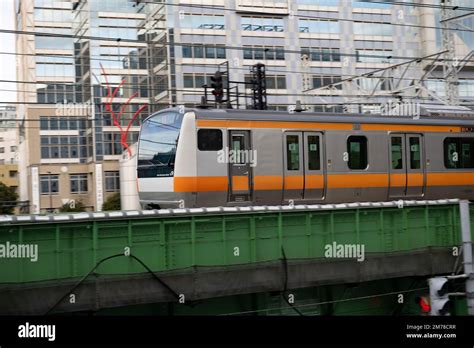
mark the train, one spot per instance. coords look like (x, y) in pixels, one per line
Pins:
(191, 158)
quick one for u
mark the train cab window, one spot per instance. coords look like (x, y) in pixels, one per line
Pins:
(459, 153)
(397, 154)
(209, 139)
(357, 150)
(314, 162)
(415, 153)
(293, 152)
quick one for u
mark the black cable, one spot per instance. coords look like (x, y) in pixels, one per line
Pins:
(98, 264)
(221, 8)
(285, 283)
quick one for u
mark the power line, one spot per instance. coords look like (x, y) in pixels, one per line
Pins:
(319, 50)
(410, 4)
(99, 38)
(333, 18)
(309, 305)
(400, 3)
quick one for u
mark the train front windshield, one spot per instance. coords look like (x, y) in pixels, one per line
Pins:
(157, 145)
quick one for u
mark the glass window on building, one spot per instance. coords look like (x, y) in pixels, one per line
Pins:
(78, 183)
(187, 51)
(112, 181)
(112, 142)
(318, 26)
(322, 54)
(374, 56)
(328, 108)
(198, 21)
(319, 2)
(264, 52)
(188, 81)
(372, 3)
(60, 147)
(220, 51)
(198, 51)
(378, 29)
(377, 83)
(268, 24)
(204, 51)
(466, 88)
(49, 184)
(327, 80)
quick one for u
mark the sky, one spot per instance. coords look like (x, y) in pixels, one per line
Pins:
(7, 44)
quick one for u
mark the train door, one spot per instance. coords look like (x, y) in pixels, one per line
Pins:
(303, 170)
(407, 170)
(240, 166)
(313, 168)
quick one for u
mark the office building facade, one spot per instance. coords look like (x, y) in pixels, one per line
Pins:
(161, 55)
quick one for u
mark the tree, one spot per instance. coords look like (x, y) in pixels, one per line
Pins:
(77, 207)
(8, 199)
(112, 203)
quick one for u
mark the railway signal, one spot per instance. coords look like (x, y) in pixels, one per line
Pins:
(218, 86)
(424, 303)
(439, 297)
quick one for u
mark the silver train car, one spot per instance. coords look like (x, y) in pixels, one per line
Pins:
(203, 158)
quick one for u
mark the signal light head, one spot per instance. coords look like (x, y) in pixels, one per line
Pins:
(424, 303)
(217, 85)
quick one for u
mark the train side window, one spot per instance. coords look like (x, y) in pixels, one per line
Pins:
(209, 139)
(293, 152)
(357, 150)
(415, 153)
(314, 162)
(459, 153)
(397, 154)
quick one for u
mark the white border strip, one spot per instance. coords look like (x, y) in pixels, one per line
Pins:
(5, 219)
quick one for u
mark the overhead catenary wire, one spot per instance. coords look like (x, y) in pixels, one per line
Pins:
(319, 50)
(387, 2)
(229, 47)
(223, 8)
(181, 44)
(105, 38)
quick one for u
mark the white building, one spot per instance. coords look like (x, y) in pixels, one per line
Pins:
(8, 135)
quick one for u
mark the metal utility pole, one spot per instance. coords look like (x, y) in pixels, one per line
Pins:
(467, 255)
(305, 69)
(449, 65)
(50, 193)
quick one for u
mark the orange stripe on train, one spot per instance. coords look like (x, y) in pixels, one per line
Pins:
(325, 126)
(334, 181)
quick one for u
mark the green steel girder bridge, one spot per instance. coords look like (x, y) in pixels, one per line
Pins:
(93, 262)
